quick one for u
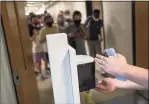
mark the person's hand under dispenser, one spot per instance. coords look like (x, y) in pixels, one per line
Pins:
(111, 84)
(106, 85)
(117, 66)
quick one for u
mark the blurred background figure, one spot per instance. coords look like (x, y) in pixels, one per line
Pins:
(61, 23)
(47, 29)
(67, 16)
(33, 25)
(46, 13)
(37, 50)
(61, 12)
(94, 25)
(29, 17)
(77, 34)
(41, 20)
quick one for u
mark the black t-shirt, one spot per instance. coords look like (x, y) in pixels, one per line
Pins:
(32, 28)
(94, 28)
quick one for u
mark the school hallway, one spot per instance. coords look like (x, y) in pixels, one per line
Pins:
(24, 26)
(119, 96)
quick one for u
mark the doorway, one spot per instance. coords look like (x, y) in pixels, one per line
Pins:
(29, 89)
(8, 93)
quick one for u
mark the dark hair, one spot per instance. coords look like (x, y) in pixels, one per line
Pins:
(31, 13)
(46, 17)
(96, 11)
(76, 13)
(67, 12)
(32, 16)
(45, 12)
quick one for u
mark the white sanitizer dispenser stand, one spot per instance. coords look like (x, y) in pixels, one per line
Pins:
(70, 73)
(63, 68)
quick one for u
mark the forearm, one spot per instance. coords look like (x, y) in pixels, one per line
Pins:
(85, 32)
(128, 85)
(136, 74)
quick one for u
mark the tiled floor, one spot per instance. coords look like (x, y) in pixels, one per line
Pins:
(46, 92)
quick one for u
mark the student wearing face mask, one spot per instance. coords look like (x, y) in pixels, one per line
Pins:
(61, 23)
(67, 17)
(94, 25)
(77, 34)
(34, 28)
(47, 29)
(33, 25)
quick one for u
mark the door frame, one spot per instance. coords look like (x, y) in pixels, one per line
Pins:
(6, 68)
(140, 26)
(16, 40)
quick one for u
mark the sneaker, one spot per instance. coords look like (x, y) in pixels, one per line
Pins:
(40, 77)
(36, 70)
(48, 65)
(46, 73)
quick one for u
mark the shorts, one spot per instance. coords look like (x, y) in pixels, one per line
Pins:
(80, 47)
(94, 48)
(37, 57)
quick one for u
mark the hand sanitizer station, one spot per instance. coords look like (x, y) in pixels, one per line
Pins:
(70, 73)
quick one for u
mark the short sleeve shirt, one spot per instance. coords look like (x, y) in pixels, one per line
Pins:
(94, 28)
(32, 28)
(46, 31)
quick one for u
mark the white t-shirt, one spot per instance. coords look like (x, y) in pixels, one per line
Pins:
(37, 47)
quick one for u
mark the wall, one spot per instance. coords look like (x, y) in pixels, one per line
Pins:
(118, 27)
(6, 85)
(72, 6)
(142, 39)
(118, 32)
(97, 5)
(142, 34)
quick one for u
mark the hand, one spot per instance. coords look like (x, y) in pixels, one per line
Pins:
(100, 40)
(86, 38)
(113, 65)
(35, 32)
(70, 35)
(33, 37)
(107, 85)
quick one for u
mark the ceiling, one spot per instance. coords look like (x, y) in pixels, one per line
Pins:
(37, 6)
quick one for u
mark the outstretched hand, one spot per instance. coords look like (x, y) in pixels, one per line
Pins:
(113, 65)
(107, 85)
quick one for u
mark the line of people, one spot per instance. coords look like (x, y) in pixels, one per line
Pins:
(40, 26)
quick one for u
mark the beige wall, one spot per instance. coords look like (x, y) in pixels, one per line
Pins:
(72, 6)
(97, 5)
(118, 27)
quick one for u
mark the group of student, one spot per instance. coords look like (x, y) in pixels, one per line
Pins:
(77, 33)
